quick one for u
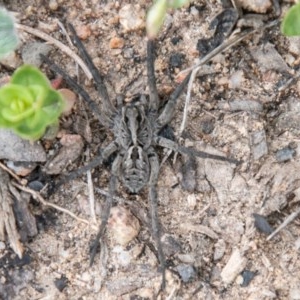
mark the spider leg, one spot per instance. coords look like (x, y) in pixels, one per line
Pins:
(77, 89)
(106, 210)
(107, 151)
(169, 110)
(166, 143)
(101, 88)
(154, 164)
(151, 75)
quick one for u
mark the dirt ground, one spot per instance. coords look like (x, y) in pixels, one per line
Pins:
(244, 105)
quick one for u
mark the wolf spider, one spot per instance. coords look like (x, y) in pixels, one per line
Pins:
(137, 128)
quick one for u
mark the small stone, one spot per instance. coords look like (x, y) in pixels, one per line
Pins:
(236, 80)
(294, 45)
(247, 277)
(192, 201)
(285, 154)
(234, 266)
(83, 31)
(186, 272)
(131, 17)
(259, 144)
(220, 248)
(268, 58)
(31, 53)
(53, 5)
(123, 225)
(70, 98)
(2, 245)
(14, 148)
(261, 224)
(11, 61)
(257, 6)
(21, 168)
(61, 283)
(72, 148)
(116, 43)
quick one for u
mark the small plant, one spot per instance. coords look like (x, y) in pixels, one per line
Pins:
(8, 35)
(157, 12)
(290, 25)
(28, 104)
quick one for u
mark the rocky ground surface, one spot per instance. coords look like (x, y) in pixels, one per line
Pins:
(215, 216)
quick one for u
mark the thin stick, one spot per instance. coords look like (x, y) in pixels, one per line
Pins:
(58, 44)
(21, 181)
(223, 47)
(91, 196)
(287, 221)
(37, 196)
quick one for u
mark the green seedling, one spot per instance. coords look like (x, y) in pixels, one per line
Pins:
(290, 25)
(28, 104)
(157, 13)
(8, 35)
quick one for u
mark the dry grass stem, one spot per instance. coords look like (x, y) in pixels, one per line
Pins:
(37, 196)
(58, 44)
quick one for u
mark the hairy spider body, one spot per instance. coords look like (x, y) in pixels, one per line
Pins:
(136, 128)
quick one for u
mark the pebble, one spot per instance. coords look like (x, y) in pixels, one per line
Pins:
(72, 145)
(220, 248)
(131, 17)
(257, 6)
(236, 80)
(11, 61)
(14, 148)
(262, 224)
(31, 53)
(116, 43)
(247, 277)
(187, 272)
(235, 265)
(2, 245)
(70, 99)
(53, 5)
(21, 168)
(83, 31)
(294, 45)
(285, 154)
(268, 58)
(123, 225)
(259, 144)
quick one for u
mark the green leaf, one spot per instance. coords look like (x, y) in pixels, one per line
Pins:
(290, 25)
(28, 75)
(155, 17)
(8, 36)
(28, 105)
(15, 104)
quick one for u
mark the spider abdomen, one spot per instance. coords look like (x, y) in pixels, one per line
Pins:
(135, 169)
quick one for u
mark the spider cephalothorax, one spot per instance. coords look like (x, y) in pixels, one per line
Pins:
(136, 128)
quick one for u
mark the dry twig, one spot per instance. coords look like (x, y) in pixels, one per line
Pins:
(59, 45)
(37, 196)
(287, 221)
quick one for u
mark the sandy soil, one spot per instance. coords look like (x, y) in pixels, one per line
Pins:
(238, 109)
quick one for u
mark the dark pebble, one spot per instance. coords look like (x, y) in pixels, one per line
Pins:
(61, 283)
(262, 224)
(186, 272)
(285, 154)
(247, 277)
